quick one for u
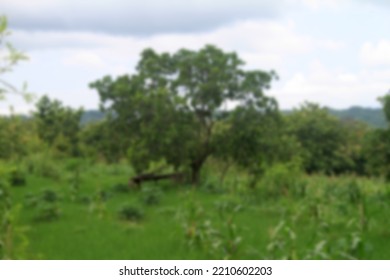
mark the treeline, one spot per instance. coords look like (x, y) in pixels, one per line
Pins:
(180, 110)
(371, 116)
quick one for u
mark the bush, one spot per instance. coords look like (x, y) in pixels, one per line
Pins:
(17, 178)
(131, 213)
(103, 195)
(85, 199)
(31, 200)
(151, 196)
(49, 195)
(283, 179)
(210, 186)
(42, 165)
(354, 192)
(121, 188)
(47, 212)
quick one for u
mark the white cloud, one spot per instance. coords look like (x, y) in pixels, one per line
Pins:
(135, 17)
(332, 87)
(317, 4)
(376, 54)
(84, 59)
(262, 44)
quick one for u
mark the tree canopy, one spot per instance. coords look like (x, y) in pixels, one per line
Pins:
(168, 109)
(9, 57)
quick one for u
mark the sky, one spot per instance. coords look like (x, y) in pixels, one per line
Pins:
(332, 52)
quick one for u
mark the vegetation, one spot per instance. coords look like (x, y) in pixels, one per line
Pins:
(191, 160)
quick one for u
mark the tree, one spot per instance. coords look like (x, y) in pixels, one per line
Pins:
(323, 139)
(58, 126)
(101, 140)
(9, 57)
(168, 109)
(377, 148)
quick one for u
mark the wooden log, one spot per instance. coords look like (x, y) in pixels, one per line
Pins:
(138, 180)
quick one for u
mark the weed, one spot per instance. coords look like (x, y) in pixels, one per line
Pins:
(283, 179)
(47, 212)
(282, 244)
(130, 213)
(121, 188)
(49, 195)
(43, 165)
(17, 178)
(151, 196)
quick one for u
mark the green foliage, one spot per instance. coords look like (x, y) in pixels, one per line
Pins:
(5, 207)
(17, 137)
(377, 146)
(13, 240)
(17, 178)
(151, 196)
(58, 126)
(49, 195)
(282, 244)
(327, 144)
(121, 188)
(47, 212)
(218, 240)
(169, 108)
(282, 180)
(9, 59)
(385, 100)
(131, 213)
(44, 205)
(102, 140)
(42, 164)
(254, 138)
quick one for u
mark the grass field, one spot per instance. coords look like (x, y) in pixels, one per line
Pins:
(89, 212)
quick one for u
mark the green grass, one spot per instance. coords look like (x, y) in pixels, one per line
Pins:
(336, 218)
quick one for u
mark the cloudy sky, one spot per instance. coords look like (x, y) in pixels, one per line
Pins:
(333, 52)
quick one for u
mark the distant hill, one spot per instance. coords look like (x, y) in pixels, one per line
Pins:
(371, 116)
(91, 116)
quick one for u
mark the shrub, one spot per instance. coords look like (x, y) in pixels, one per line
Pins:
(121, 188)
(354, 192)
(42, 165)
(47, 212)
(151, 196)
(131, 213)
(210, 186)
(49, 195)
(85, 199)
(283, 179)
(17, 178)
(31, 200)
(103, 195)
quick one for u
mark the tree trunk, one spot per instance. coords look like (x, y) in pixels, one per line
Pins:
(195, 173)
(196, 167)
(138, 180)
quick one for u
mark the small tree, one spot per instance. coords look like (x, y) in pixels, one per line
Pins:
(322, 137)
(58, 126)
(9, 57)
(377, 148)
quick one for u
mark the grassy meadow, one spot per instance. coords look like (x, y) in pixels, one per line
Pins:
(76, 209)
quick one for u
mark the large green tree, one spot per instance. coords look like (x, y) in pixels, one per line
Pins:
(168, 109)
(328, 145)
(377, 148)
